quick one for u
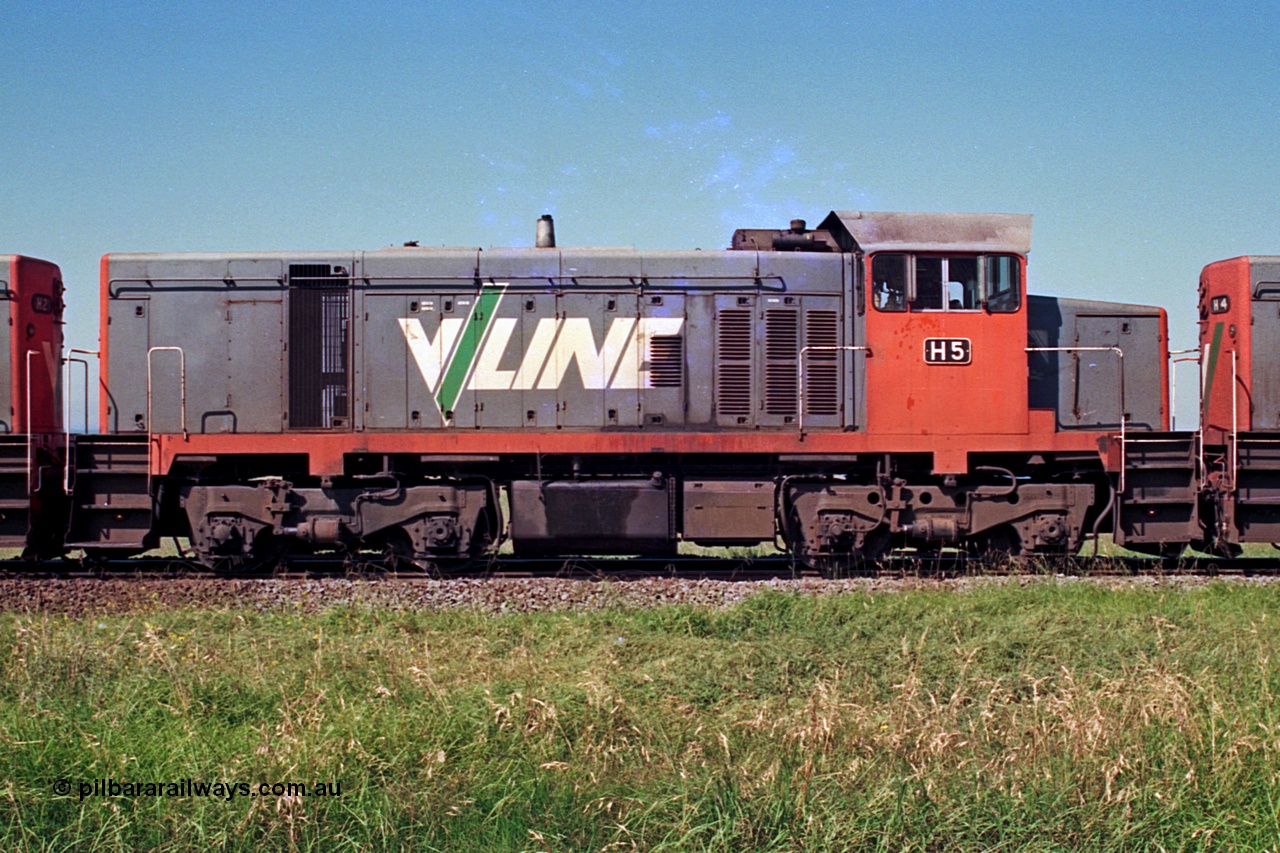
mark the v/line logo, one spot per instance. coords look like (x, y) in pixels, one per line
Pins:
(465, 354)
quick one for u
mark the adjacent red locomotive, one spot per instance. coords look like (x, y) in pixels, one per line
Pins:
(881, 382)
(1240, 416)
(31, 429)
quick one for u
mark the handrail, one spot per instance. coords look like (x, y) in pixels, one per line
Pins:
(66, 391)
(1204, 409)
(800, 371)
(66, 408)
(1123, 418)
(31, 463)
(182, 375)
(1233, 454)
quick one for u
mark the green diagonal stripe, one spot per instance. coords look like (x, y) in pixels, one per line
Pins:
(1213, 363)
(464, 355)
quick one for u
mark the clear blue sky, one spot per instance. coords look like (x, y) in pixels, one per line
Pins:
(1144, 137)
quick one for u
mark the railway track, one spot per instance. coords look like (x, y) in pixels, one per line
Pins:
(514, 586)
(613, 569)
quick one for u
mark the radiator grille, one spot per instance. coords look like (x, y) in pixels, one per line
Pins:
(666, 361)
(781, 347)
(822, 367)
(733, 362)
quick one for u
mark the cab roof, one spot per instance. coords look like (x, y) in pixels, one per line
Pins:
(930, 232)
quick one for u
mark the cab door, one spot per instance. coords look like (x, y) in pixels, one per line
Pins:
(948, 337)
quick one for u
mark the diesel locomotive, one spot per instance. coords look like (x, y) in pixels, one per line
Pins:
(880, 382)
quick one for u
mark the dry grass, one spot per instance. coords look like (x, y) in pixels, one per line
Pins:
(1046, 717)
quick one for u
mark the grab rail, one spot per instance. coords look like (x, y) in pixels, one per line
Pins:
(31, 453)
(800, 371)
(1233, 448)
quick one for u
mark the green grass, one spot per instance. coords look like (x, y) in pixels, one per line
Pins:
(1041, 717)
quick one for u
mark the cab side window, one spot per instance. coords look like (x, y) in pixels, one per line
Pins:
(946, 283)
(889, 282)
(928, 285)
(963, 293)
(1004, 272)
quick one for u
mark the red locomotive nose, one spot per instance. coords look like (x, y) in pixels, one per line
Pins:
(31, 418)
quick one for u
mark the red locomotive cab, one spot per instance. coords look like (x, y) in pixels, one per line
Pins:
(1226, 348)
(948, 335)
(946, 322)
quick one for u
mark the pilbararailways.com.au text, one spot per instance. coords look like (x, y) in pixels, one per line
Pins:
(193, 788)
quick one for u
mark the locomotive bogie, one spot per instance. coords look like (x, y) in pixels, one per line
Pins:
(420, 524)
(832, 520)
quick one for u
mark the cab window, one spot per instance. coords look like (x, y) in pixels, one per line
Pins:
(889, 282)
(946, 282)
(1004, 272)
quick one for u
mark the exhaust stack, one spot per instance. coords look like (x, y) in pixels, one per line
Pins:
(546, 232)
